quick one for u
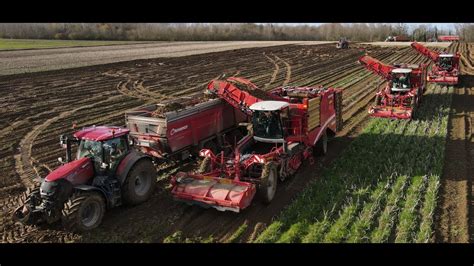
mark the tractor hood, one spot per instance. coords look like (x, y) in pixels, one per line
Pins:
(77, 172)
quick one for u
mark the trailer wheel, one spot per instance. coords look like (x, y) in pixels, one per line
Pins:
(83, 211)
(321, 147)
(268, 185)
(205, 166)
(139, 183)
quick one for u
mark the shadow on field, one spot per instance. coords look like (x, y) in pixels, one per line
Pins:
(454, 219)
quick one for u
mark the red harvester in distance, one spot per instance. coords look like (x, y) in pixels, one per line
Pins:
(288, 124)
(402, 94)
(446, 65)
(449, 38)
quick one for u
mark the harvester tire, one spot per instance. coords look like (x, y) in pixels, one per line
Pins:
(321, 147)
(377, 100)
(140, 182)
(83, 211)
(413, 106)
(268, 184)
(205, 166)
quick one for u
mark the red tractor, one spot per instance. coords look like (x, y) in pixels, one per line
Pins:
(446, 65)
(105, 173)
(342, 44)
(402, 94)
(288, 125)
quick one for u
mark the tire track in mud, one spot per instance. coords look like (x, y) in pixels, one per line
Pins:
(275, 71)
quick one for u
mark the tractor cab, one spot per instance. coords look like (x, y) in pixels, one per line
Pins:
(105, 146)
(269, 121)
(446, 61)
(400, 80)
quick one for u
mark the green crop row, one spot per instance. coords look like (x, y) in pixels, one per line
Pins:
(382, 188)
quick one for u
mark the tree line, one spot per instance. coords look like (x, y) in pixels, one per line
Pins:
(225, 31)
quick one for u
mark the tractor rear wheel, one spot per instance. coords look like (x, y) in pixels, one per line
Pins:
(321, 147)
(268, 185)
(83, 211)
(139, 183)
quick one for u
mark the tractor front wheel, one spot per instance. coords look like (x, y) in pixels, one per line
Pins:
(27, 201)
(139, 183)
(83, 211)
(268, 185)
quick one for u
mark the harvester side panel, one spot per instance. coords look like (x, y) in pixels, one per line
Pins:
(314, 115)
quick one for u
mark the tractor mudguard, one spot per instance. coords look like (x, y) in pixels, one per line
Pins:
(92, 188)
(127, 163)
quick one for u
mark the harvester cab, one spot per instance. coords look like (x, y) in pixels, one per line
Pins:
(401, 80)
(270, 121)
(446, 61)
(104, 173)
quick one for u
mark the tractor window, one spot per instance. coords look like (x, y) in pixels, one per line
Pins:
(90, 148)
(114, 150)
(267, 124)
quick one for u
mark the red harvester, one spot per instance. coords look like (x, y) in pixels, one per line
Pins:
(449, 38)
(401, 95)
(446, 66)
(288, 124)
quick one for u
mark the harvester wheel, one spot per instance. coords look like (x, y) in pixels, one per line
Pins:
(205, 166)
(83, 211)
(268, 185)
(139, 183)
(377, 100)
(321, 147)
(28, 199)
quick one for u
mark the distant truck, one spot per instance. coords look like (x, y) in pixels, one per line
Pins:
(178, 134)
(400, 38)
(448, 38)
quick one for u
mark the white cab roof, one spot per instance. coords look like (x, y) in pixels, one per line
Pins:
(446, 55)
(268, 105)
(401, 70)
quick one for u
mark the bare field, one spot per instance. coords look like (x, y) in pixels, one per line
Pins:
(26, 61)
